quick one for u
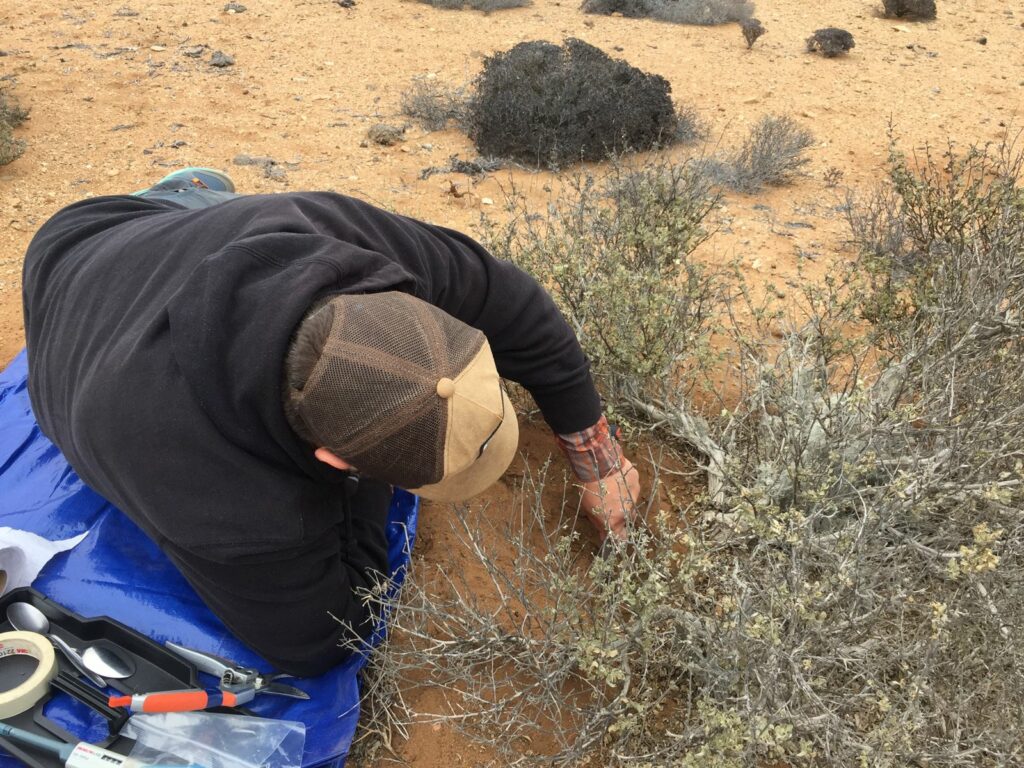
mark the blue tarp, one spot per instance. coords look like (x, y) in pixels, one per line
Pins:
(118, 572)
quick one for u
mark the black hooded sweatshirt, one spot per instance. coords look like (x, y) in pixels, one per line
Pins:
(156, 340)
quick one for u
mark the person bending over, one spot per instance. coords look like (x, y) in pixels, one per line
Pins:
(247, 377)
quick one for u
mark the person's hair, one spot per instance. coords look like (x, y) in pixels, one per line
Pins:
(304, 351)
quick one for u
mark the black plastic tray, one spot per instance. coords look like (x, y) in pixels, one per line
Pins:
(157, 669)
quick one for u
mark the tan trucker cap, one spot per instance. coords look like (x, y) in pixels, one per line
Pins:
(405, 393)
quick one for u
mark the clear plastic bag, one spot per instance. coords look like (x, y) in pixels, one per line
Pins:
(215, 740)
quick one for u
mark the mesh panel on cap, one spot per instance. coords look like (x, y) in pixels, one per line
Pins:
(372, 397)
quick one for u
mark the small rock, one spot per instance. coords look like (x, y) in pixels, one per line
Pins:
(353, 177)
(346, 3)
(221, 59)
(125, 12)
(158, 48)
(113, 172)
(486, 201)
(982, 41)
(386, 135)
(194, 52)
(178, 144)
(235, 8)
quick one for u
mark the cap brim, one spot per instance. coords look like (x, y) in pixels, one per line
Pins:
(486, 470)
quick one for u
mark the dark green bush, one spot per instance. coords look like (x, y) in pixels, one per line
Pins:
(752, 29)
(920, 9)
(831, 41)
(550, 105)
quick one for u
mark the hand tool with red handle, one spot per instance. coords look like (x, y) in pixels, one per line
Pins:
(237, 685)
(175, 701)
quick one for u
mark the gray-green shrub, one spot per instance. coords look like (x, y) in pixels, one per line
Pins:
(477, 5)
(12, 115)
(702, 12)
(847, 593)
(616, 254)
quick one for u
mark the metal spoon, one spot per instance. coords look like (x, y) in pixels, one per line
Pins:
(28, 618)
(108, 662)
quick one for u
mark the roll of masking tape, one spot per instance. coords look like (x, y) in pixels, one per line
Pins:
(25, 695)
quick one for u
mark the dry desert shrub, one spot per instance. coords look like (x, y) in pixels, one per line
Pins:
(385, 134)
(433, 105)
(772, 154)
(831, 41)
(701, 12)
(550, 105)
(12, 115)
(11, 111)
(919, 9)
(10, 147)
(847, 592)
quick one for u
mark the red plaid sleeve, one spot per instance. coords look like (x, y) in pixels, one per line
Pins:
(594, 453)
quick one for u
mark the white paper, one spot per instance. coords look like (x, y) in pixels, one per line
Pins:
(23, 555)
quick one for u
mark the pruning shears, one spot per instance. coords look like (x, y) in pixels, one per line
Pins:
(237, 685)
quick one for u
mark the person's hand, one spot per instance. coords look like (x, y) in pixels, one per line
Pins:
(609, 503)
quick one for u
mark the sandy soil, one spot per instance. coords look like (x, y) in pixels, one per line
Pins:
(123, 92)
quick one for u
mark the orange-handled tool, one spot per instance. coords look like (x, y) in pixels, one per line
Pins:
(175, 701)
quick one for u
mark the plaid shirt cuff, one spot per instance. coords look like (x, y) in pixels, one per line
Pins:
(593, 453)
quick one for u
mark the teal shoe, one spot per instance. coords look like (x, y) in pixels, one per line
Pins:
(199, 178)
